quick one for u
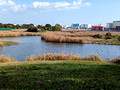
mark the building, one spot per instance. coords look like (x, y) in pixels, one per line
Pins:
(64, 26)
(116, 23)
(86, 26)
(109, 25)
(75, 26)
(98, 28)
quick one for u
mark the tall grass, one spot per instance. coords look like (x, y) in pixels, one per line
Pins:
(67, 37)
(61, 56)
(6, 59)
(17, 34)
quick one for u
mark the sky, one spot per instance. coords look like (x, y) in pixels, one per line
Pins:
(64, 12)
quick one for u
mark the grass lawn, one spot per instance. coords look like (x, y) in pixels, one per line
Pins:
(60, 75)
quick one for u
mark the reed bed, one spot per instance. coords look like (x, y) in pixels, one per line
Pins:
(6, 59)
(67, 37)
(19, 30)
(61, 56)
(17, 34)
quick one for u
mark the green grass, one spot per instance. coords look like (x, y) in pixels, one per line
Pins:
(63, 75)
(112, 41)
(7, 43)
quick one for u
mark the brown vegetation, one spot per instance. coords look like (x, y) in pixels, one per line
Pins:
(82, 37)
(62, 56)
(116, 60)
(67, 37)
(17, 34)
(6, 59)
(19, 30)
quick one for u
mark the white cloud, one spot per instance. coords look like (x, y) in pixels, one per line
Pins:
(9, 5)
(10, 2)
(41, 4)
(19, 7)
(87, 4)
(61, 5)
(78, 3)
(6, 3)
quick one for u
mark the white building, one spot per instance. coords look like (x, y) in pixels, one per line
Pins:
(109, 25)
(86, 26)
(116, 23)
(65, 26)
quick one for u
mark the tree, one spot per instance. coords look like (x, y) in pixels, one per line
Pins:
(48, 25)
(57, 27)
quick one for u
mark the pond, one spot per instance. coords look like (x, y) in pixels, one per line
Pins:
(30, 45)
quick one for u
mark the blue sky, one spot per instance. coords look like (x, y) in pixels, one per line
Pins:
(64, 12)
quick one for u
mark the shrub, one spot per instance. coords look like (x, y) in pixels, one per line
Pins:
(108, 34)
(97, 36)
(119, 38)
(57, 27)
(32, 30)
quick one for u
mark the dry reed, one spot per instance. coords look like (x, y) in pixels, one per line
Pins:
(6, 59)
(67, 37)
(61, 56)
(17, 34)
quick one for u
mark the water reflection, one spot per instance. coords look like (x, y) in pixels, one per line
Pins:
(33, 45)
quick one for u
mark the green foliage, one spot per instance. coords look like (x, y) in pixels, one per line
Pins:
(32, 30)
(48, 25)
(57, 27)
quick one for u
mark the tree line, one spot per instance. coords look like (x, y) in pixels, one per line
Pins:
(32, 27)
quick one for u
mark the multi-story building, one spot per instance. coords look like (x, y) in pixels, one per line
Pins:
(116, 23)
(86, 26)
(109, 25)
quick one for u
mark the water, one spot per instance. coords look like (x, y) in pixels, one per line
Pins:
(34, 45)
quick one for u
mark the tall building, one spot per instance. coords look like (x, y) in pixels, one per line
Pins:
(75, 25)
(86, 26)
(116, 23)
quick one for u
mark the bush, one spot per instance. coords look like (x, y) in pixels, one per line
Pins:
(32, 30)
(119, 38)
(57, 27)
(108, 34)
(97, 36)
